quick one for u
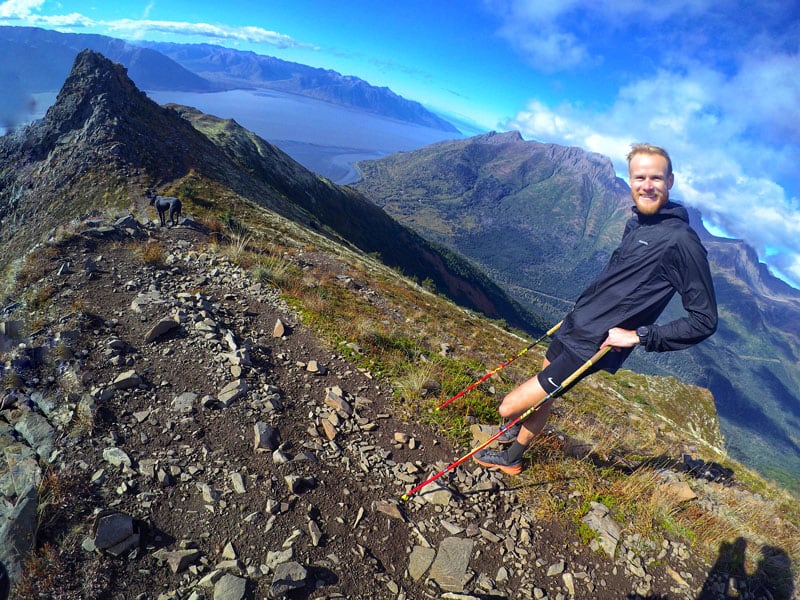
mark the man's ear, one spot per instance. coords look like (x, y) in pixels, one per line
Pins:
(670, 181)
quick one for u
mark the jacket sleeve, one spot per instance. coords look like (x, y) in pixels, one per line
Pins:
(686, 268)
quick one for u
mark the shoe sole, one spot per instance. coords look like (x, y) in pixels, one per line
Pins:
(507, 469)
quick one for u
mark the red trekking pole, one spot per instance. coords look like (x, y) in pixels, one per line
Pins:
(500, 368)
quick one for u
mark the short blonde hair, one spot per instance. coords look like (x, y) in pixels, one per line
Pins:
(646, 148)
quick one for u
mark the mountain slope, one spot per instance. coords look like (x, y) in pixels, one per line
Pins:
(233, 406)
(511, 206)
(43, 58)
(102, 128)
(542, 220)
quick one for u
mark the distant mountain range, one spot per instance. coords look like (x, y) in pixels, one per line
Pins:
(542, 220)
(38, 60)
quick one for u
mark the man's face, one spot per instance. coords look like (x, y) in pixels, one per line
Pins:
(650, 183)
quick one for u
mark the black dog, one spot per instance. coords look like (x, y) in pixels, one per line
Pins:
(166, 204)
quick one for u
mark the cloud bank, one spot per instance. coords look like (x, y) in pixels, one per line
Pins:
(29, 12)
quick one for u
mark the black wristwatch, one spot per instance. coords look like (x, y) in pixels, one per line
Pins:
(643, 332)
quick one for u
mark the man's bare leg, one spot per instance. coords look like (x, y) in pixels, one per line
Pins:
(519, 400)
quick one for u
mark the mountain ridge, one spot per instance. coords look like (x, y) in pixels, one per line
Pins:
(248, 70)
(146, 146)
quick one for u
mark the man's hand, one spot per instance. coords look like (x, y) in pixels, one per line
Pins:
(620, 338)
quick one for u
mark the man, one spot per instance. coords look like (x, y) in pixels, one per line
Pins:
(659, 255)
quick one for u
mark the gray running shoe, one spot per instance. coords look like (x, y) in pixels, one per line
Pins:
(498, 460)
(509, 436)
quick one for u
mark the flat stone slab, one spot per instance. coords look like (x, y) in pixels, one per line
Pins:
(419, 561)
(450, 565)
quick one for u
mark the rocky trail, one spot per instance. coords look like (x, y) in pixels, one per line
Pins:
(185, 436)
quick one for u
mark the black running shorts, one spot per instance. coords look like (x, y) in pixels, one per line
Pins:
(563, 363)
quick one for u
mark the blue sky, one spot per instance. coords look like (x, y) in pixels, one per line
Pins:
(716, 83)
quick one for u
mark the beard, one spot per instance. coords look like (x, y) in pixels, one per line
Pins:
(647, 206)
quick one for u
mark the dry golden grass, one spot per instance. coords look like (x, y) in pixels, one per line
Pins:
(414, 383)
(36, 265)
(152, 253)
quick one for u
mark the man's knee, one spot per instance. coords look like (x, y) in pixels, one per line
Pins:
(505, 411)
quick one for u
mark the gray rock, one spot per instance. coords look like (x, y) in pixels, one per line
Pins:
(230, 587)
(275, 558)
(288, 576)
(115, 534)
(450, 565)
(557, 568)
(599, 521)
(18, 533)
(421, 558)
(127, 380)
(184, 403)
(20, 470)
(569, 583)
(335, 399)
(436, 493)
(266, 437)
(233, 391)
(390, 509)
(315, 532)
(163, 327)
(178, 560)
(117, 457)
(37, 431)
(238, 483)
(279, 330)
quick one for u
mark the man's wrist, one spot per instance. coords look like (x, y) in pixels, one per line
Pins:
(643, 332)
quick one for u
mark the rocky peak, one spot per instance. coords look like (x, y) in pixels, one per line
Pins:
(94, 95)
(102, 123)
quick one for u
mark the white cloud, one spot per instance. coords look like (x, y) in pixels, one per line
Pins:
(541, 31)
(70, 21)
(788, 267)
(139, 27)
(28, 11)
(765, 94)
(19, 9)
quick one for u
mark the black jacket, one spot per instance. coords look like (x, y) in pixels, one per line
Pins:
(659, 255)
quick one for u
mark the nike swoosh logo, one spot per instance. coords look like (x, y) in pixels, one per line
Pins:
(644, 242)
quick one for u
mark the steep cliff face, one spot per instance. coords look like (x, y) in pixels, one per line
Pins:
(539, 218)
